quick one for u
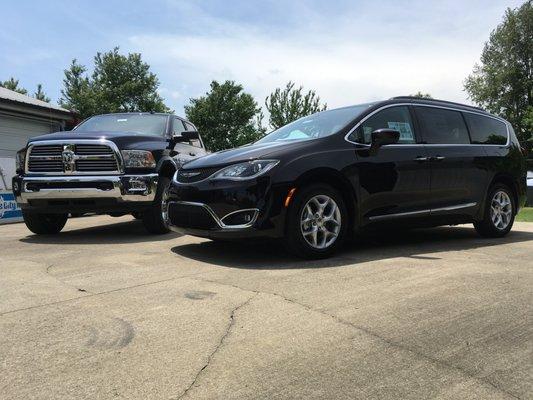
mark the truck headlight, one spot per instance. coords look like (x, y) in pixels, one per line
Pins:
(138, 159)
(246, 170)
(20, 159)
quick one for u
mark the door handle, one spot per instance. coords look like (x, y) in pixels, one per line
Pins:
(192, 154)
(421, 159)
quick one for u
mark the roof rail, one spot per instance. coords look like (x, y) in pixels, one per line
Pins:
(437, 101)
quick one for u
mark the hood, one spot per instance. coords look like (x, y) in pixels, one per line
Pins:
(121, 139)
(246, 153)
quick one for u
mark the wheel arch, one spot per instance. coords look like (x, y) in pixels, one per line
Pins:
(167, 168)
(508, 181)
(337, 180)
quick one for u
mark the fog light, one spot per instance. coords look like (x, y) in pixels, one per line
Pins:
(243, 217)
(137, 185)
(16, 187)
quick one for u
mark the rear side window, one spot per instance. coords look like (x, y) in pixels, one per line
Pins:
(397, 118)
(485, 130)
(440, 126)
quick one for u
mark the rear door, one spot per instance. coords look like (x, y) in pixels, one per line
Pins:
(458, 169)
(394, 181)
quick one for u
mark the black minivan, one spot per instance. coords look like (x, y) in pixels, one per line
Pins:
(319, 179)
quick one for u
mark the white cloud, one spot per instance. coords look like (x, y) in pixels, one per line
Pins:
(348, 60)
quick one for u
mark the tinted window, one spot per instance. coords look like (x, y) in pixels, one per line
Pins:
(441, 126)
(397, 118)
(485, 130)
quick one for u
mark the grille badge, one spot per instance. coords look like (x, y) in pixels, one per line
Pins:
(69, 157)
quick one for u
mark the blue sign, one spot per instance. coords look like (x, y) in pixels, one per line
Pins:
(9, 210)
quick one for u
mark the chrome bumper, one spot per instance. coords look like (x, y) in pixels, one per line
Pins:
(126, 188)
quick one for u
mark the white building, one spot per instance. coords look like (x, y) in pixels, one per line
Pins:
(22, 117)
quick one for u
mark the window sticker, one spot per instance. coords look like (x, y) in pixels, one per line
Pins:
(404, 128)
(122, 120)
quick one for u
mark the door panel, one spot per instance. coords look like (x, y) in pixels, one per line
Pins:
(396, 180)
(458, 173)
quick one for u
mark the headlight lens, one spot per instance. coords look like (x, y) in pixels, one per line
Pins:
(245, 170)
(20, 159)
(138, 159)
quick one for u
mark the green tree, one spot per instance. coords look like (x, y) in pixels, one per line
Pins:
(502, 82)
(40, 94)
(226, 116)
(421, 95)
(119, 83)
(289, 104)
(13, 84)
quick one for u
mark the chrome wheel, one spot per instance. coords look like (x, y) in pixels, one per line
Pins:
(501, 210)
(164, 207)
(320, 221)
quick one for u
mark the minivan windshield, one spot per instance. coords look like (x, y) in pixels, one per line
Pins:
(146, 124)
(317, 125)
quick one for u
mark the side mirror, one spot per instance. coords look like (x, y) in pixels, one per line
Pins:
(382, 137)
(184, 136)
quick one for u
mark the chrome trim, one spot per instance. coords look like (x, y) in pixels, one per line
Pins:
(404, 214)
(118, 192)
(218, 220)
(422, 212)
(113, 146)
(456, 207)
(421, 144)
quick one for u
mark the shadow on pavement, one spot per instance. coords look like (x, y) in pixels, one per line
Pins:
(122, 232)
(422, 244)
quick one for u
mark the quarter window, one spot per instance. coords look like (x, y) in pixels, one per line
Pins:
(485, 130)
(398, 118)
(440, 126)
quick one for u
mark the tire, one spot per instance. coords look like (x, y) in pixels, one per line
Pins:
(490, 226)
(152, 218)
(45, 224)
(305, 207)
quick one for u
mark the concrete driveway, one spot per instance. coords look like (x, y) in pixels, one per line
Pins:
(104, 311)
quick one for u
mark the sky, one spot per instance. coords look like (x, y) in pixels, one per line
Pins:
(349, 52)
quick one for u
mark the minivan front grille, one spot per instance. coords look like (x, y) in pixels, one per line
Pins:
(72, 158)
(195, 175)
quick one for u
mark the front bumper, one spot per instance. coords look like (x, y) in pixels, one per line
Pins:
(227, 209)
(36, 191)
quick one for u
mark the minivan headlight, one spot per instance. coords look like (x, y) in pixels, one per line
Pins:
(138, 159)
(246, 170)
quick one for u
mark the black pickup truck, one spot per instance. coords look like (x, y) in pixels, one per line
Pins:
(112, 164)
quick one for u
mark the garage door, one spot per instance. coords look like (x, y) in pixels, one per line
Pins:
(15, 132)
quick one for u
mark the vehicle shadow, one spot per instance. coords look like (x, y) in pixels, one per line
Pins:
(416, 244)
(121, 232)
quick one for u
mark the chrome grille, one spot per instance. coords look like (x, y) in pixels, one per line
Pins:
(72, 158)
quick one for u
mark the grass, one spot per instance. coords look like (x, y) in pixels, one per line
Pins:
(525, 215)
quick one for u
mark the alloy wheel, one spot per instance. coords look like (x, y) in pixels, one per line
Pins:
(501, 210)
(320, 222)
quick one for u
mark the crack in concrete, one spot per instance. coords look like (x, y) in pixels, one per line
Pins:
(375, 335)
(220, 343)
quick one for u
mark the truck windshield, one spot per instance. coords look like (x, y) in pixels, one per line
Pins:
(317, 125)
(146, 124)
